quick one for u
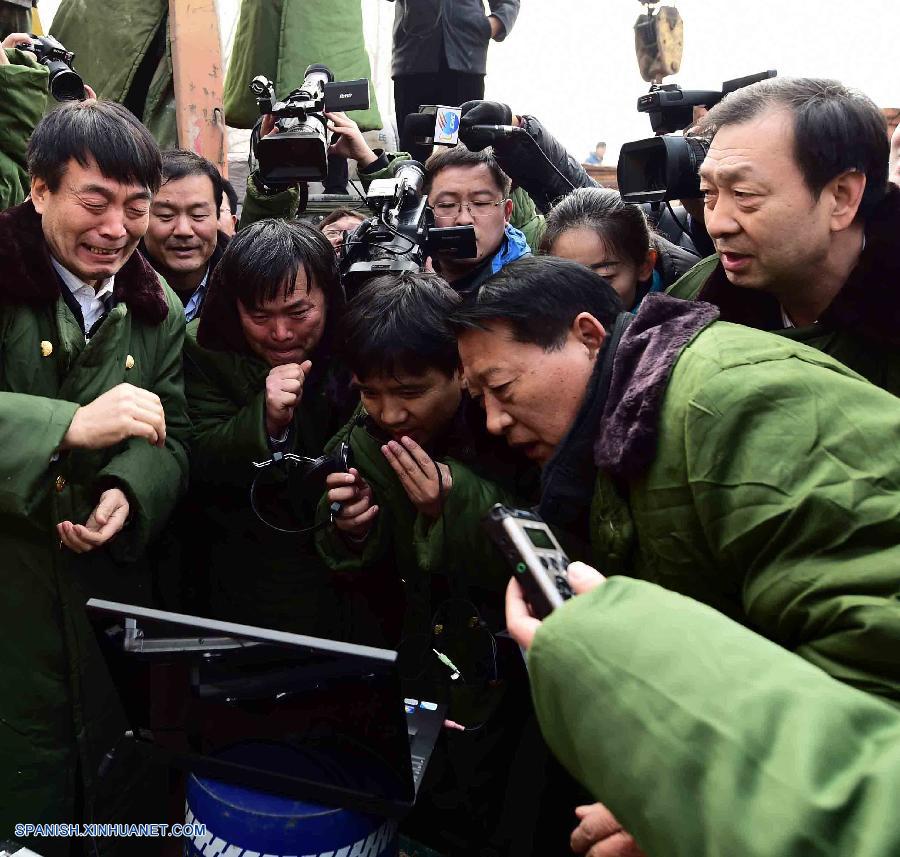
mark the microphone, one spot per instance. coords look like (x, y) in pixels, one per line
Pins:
(478, 137)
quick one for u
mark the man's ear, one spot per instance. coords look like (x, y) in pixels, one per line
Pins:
(39, 193)
(507, 209)
(847, 191)
(589, 332)
(646, 270)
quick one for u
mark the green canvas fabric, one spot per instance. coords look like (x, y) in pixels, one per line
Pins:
(111, 54)
(704, 739)
(280, 38)
(24, 86)
(774, 496)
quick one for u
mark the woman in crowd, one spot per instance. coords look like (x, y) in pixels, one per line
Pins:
(595, 227)
(261, 379)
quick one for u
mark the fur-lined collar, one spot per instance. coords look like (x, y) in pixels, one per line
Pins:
(29, 277)
(868, 304)
(626, 442)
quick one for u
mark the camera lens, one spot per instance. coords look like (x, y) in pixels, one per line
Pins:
(65, 84)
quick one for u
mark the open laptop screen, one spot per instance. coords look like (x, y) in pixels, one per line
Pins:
(318, 719)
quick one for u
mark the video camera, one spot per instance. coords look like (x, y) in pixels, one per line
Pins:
(666, 167)
(401, 234)
(65, 83)
(299, 152)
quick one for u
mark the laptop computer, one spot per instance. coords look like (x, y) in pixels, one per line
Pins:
(317, 719)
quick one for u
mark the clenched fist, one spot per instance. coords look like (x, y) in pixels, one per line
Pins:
(122, 412)
(284, 390)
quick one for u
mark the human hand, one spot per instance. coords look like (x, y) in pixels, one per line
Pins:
(284, 390)
(13, 40)
(350, 142)
(122, 412)
(418, 475)
(355, 495)
(599, 834)
(484, 113)
(104, 522)
(497, 27)
(89, 91)
(521, 625)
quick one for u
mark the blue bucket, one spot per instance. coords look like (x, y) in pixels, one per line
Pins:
(241, 822)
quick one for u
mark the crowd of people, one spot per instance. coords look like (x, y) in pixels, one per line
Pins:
(713, 440)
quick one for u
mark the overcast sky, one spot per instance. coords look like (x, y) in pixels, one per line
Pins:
(572, 64)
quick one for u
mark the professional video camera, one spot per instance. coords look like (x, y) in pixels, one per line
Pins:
(666, 167)
(65, 83)
(401, 235)
(299, 152)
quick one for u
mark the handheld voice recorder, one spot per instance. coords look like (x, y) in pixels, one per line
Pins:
(538, 560)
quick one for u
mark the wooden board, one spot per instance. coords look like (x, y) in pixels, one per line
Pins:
(199, 77)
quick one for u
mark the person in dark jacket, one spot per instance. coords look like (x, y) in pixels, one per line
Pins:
(440, 54)
(594, 227)
(806, 225)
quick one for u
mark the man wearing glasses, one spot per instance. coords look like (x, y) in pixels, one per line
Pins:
(470, 188)
(463, 187)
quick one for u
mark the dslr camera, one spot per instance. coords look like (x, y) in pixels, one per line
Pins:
(299, 152)
(401, 234)
(65, 83)
(666, 167)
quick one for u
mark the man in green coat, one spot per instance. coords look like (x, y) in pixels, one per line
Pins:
(92, 433)
(410, 529)
(704, 738)
(745, 470)
(23, 82)
(804, 222)
(425, 469)
(261, 378)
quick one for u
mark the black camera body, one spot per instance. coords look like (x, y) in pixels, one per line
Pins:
(666, 167)
(299, 151)
(65, 83)
(401, 235)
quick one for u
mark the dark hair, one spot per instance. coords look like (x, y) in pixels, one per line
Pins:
(181, 163)
(400, 323)
(104, 131)
(337, 214)
(539, 297)
(621, 227)
(836, 129)
(231, 195)
(460, 156)
(260, 264)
